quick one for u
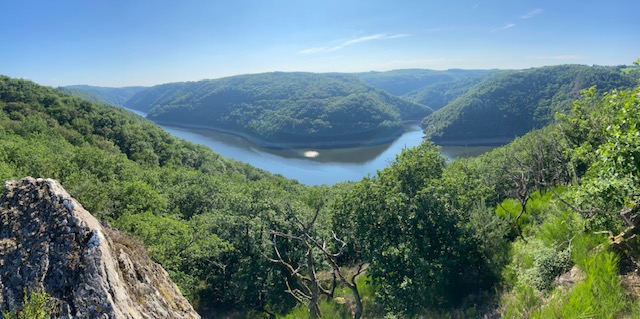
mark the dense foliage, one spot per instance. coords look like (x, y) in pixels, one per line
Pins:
(503, 107)
(203, 217)
(438, 95)
(283, 109)
(515, 219)
(419, 251)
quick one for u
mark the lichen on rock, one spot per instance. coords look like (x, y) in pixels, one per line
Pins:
(49, 242)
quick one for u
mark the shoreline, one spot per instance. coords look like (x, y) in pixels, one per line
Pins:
(288, 145)
(493, 141)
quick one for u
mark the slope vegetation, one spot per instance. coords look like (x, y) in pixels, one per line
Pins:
(283, 109)
(202, 217)
(113, 96)
(438, 95)
(549, 222)
(512, 104)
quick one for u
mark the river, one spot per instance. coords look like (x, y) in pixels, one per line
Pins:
(311, 166)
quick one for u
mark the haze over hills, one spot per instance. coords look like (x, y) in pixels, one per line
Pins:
(401, 82)
(438, 95)
(113, 96)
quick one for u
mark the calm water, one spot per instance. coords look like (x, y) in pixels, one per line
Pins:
(314, 166)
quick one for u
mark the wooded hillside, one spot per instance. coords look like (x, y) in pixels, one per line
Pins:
(284, 109)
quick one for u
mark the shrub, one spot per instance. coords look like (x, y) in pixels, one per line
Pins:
(36, 305)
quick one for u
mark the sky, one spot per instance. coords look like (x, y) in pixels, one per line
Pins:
(133, 42)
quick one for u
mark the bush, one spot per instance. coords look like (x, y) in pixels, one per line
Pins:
(35, 305)
(600, 295)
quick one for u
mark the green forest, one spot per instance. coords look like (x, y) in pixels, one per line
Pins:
(508, 104)
(283, 109)
(543, 227)
(438, 95)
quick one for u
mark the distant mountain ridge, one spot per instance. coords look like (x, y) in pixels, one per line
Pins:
(438, 95)
(401, 82)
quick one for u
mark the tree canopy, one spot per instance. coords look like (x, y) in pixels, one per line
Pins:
(503, 107)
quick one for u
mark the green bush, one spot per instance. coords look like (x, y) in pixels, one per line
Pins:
(35, 305)
(600, 295)
(521, 302)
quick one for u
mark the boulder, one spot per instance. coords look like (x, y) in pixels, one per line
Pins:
(49, 243)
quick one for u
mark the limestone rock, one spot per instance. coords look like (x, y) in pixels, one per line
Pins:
(49, 242)
(570, 278)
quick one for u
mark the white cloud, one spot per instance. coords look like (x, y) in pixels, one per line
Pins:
(504, 27)
(375, 37)
(531, 14)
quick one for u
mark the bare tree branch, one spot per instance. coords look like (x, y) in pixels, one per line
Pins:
(310, 283)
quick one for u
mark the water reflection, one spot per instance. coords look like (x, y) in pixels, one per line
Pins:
(241, 149)
(314, 166)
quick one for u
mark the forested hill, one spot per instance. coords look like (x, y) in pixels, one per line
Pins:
(439, 94)
(401, 82)
(109, 95)
(515, 102)
(284, 109)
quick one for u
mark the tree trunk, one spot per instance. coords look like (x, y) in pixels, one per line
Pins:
(314, 311)
(356, 297)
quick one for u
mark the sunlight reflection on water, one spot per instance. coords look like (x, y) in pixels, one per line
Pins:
(311, 154)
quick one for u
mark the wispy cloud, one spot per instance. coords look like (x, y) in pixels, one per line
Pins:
(555, 57)
(504, 27)
(375, 37)
(531, 14)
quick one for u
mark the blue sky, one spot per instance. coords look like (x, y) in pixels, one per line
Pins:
(134, 42)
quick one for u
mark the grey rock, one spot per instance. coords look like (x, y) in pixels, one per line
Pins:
(49, 242)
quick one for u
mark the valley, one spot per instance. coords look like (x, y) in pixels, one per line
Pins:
(216, 210)
(319, 159)
(324, 166)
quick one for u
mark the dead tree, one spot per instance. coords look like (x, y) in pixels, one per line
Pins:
(310, 288)
(626, 241)
(332, 259)
(539, 166)
(522, 177)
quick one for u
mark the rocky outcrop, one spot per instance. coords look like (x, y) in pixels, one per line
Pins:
(49, 242)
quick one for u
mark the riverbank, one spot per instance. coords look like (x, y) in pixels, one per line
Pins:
(494, 141)
(343, 141)
(329, 167)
